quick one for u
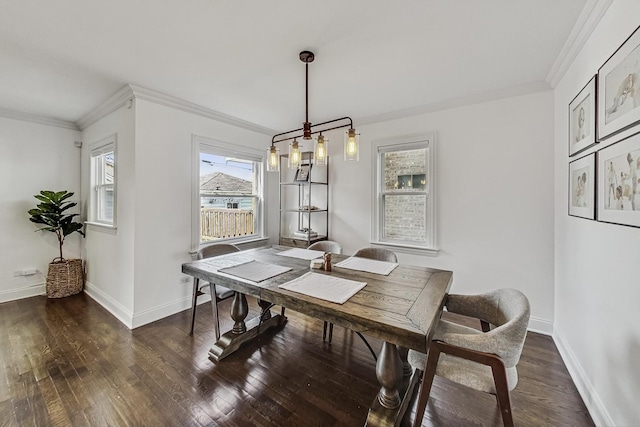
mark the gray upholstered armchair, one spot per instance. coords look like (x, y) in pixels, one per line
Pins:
(327, 246)
(484, 361)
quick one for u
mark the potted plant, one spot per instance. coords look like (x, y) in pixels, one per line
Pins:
(65, 277)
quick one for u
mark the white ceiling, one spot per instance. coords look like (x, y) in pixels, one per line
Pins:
(61, 59)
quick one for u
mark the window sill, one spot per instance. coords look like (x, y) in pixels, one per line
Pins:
(243, 244)
(105, 228)
(410, 249)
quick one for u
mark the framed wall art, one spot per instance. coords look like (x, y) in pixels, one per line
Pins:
(582, 180)
(619, 89)
(619, 182)
(303, 173)
(582, 121)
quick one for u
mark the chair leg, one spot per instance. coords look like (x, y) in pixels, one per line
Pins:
(324, 330)
(373, 353)
(330, 331)
(427, 381)
(194, 298)
(485, 326)
(502, 393)
(214, 310)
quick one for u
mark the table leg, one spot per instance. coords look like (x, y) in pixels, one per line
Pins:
(389, 374)
(244, 332)
(397, 380)
(239, 311)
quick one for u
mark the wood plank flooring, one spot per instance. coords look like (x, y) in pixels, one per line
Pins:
(68, 362)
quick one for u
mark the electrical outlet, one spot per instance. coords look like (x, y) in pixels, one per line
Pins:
(185, 279)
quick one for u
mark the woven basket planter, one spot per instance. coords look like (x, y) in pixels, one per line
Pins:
(65, 278)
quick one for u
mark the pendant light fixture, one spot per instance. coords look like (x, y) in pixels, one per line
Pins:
(320, 152)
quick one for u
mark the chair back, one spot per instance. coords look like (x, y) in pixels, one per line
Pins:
(379, 254)
(508, 310)
(326, 246)
(217, 249)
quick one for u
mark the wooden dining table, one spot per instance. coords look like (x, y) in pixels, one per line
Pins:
(401, 309)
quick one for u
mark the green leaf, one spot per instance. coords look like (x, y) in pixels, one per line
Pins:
(67, 206)
(64, 196)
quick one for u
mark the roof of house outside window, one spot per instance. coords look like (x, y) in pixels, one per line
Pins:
(219, 183)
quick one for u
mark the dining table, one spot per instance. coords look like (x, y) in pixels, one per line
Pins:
(401, 306)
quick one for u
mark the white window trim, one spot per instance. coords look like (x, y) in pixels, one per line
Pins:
(230, 150)
(382, 145)
(109, 143)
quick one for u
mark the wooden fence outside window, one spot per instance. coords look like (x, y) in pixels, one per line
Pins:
(217, 223)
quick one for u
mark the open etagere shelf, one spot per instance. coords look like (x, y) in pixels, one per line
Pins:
(304, 204)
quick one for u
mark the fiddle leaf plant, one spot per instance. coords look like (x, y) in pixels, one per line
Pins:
(52, 213)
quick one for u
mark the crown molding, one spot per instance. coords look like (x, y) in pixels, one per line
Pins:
(129, 92)
(464, 101)
(117, 100)
(25, 117)
(587, 21)
(189, 107)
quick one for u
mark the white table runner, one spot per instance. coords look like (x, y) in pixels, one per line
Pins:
(368, 265)
(307, 254)
(329, 288)
(255, 271)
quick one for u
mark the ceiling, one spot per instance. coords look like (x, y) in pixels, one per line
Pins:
(62, 59)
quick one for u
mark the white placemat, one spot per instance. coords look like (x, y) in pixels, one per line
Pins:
(255, 271)
(324, 287)
(368, 265)
(307, 254)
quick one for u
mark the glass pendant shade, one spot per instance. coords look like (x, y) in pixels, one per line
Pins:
(294, 155)
(320, 150)
(273, 159)
(351, 146)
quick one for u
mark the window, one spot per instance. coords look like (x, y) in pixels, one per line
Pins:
(404, 211)
(227, 193)
(102, 209)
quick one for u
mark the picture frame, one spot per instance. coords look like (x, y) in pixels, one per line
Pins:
(619, 182)
(303, 173)
(582, 181)
(582, 120)
(619, 89)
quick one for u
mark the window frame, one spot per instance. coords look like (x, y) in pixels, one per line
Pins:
(402, 143)
(227, 149)
(97, 150)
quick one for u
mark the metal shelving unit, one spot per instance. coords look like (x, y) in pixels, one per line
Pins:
(297, 199)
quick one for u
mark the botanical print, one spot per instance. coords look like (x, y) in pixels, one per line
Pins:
(581, 119)
(580, 187)
(622, 182)
(622, 87)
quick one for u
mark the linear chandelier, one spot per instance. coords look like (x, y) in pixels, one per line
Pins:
(351, 137)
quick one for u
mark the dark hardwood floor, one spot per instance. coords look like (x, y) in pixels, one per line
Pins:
(69, 362)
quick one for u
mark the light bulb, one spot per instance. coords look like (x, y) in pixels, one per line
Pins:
(294, 155)
(351, 146)
(321, 150)
(273, 159)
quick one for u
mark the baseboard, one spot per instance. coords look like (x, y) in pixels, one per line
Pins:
(24, 292)
(151, 315)
(589, 395)
(111, 305)
(541, 326)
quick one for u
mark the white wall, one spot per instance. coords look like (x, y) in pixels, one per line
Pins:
(494, 190)
(163, 202)
(597, 313)
(33, 157)
(109, 254)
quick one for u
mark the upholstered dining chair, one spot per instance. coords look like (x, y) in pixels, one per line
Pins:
(483, 360)
(379, 254)
(218, 293)
(333, 247)
(327, 246)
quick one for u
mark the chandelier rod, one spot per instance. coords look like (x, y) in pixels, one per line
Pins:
(350, 125)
